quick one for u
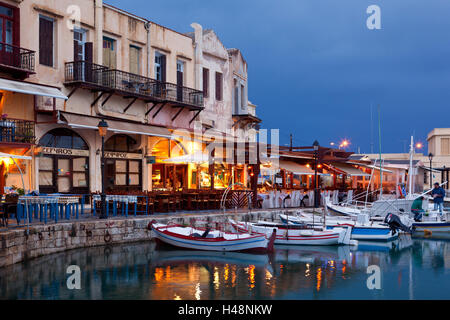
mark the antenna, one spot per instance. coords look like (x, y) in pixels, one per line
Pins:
(371, 128)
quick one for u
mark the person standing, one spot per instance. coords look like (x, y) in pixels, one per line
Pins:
(438, 195)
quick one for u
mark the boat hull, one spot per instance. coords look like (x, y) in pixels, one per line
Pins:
(293, 237)
(432, 226)
(257, 243)
(358, 232)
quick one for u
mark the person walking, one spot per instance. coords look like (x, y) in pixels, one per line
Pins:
(438, 195)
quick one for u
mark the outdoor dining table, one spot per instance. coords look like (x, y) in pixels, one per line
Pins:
(189, 197)
(117, 201)
(54, 206)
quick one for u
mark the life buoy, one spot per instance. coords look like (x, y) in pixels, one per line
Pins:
(107, 237)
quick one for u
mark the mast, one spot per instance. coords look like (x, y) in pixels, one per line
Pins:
(381, 165)
(410, 174)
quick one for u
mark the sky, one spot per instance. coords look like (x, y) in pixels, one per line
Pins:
(316, 71)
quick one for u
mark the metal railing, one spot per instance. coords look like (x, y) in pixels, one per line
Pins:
(185, 95)
(130, 84)
(85, 72)
(17, 131)
(17, 57)
(133, 84)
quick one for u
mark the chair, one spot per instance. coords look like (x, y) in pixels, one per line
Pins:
(10, 206)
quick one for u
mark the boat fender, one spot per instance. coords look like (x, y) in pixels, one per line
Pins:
(107, 237)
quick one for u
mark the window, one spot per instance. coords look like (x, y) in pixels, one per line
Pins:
(6, 25)
(160, 67)
(79, 41)
(109, 52)
(135, 58)
(63, 138)
(243, 106)
(219, 86)
(46, 41)
(121, 143)
(206, 82)
(445, 146)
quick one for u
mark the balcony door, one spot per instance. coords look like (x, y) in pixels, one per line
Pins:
(9, 36)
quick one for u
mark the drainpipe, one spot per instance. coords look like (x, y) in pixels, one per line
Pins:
(99, 31)
(147, 26)
(198, 45)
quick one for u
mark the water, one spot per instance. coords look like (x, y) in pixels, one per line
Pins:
(410, 269)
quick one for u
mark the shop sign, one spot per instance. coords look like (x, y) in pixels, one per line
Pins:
(122, 155)
(65, 152)
(151, 160)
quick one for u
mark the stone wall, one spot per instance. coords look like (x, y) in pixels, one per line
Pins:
(16, 246)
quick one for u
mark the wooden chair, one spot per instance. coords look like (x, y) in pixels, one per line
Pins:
(10, 206)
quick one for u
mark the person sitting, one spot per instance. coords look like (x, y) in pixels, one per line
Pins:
(417, 209)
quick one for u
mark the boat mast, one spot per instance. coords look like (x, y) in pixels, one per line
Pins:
(410, 173)
(381, 165)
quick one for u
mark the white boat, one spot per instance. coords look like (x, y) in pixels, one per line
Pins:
(361, 229)
(211, 240)
(295, 235)
(342, 209)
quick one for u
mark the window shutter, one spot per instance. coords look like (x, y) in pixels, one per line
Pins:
(205, 82)
(163, 68)
(236, 100)
(46, 42)
(218, 86)
(134, 60)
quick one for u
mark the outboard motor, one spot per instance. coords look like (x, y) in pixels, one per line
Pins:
(396, 224)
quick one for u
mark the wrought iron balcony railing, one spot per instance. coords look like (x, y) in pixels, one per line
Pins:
(184, 95)
(130, 84)
(16, 131)
(17, 58)
(84, 72)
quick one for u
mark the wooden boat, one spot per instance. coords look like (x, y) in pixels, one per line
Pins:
(212, 240)
(296, 235)
(370, 231)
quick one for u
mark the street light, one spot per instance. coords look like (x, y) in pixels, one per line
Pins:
(430, 157)
(102, 130)
(316, 158)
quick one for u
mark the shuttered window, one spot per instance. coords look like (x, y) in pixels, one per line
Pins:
(46, 36)
(219, 86)
(135, 54)
(109, 53)
(206, 82)
(445, 146)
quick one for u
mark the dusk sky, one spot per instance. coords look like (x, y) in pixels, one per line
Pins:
(315, 68)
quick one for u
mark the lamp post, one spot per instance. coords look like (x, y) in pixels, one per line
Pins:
(316, 159)
(102, 130)
(430, 157)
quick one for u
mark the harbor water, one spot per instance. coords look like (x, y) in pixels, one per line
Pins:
(410, 268)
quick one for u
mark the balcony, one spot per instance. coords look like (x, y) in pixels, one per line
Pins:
(129, 85)
(16, 131)
(18, 62)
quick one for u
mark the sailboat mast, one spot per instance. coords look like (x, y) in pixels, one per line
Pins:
(410, 172)
(381, 165)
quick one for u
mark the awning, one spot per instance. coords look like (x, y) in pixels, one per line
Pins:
(349, 170)
(296, 168)
(30, 88)
(14, 156)
(370, 166)
(84, 122)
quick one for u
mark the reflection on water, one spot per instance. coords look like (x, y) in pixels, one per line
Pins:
(411, 269)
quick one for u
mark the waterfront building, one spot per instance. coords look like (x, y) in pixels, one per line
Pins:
(84, 61)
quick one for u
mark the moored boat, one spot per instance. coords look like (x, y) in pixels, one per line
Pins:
(296, 235)
(370, 231)
(212, 240)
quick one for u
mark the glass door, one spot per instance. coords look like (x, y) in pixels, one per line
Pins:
(63, 178)
(6, 37)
